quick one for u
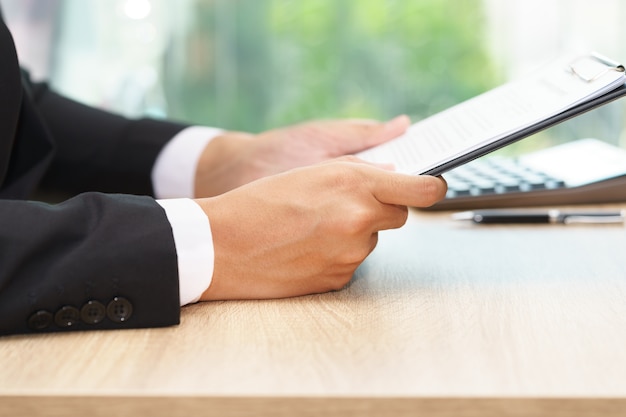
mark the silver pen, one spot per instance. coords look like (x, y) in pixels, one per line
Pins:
(500, 216)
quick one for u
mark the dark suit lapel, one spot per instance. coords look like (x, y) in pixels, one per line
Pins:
(10, 97)
(31, 155)
(26, 147)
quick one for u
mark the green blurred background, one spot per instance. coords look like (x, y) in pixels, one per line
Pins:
(259, 64)
(253, 65)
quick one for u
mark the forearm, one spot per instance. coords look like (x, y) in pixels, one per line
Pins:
(111, 153)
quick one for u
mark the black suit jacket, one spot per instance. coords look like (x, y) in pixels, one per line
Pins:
(97, 260)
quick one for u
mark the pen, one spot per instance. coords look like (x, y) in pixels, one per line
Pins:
(500, 216)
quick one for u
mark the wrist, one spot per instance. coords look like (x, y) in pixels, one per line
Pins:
(174, 170)
(221, 166)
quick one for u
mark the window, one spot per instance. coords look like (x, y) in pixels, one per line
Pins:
(256, 64)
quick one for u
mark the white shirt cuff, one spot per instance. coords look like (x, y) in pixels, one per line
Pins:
(194, 247)
(174, 171)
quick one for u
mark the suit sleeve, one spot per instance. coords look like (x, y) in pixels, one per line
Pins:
(112, 153)
(96, 261)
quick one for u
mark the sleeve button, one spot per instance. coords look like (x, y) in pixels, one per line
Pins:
(119, 310)
(40, 320)
(93, 312)
(67, 316)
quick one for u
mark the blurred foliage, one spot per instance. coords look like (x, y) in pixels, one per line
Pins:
(256, 64)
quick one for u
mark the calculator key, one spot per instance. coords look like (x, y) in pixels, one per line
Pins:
(460, 188)
(534, 178)
(484, 184)
(529, 187)
(509, 181)
(501, 189)
(475, 191)
(457, 193)
(554, 184)
(496, 175)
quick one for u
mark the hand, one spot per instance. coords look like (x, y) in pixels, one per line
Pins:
(236, 158)
(307, 230)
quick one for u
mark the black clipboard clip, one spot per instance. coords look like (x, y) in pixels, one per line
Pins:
(578, 67)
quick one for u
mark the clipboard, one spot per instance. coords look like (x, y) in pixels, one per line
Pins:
(619, 92)
(564, 89)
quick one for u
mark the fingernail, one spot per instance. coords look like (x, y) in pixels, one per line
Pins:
(402, 120)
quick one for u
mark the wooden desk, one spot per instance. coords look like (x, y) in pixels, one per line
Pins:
(443, 319)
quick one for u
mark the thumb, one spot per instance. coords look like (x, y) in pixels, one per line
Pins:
(407, 190)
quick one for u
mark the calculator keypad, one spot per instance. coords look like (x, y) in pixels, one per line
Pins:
(497, 175)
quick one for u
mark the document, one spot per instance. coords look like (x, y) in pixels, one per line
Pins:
(502, 115)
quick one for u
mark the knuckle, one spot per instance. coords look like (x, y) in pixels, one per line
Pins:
(348, 158)
(402, 215)
(341, 175)
(359, 221)
(354, 256)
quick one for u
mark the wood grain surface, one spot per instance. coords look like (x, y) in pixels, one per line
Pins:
(442, 319)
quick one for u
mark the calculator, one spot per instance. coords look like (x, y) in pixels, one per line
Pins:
(583, 171)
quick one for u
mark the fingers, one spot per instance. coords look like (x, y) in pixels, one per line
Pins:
(392, 192)
(367, 134)
(407, 190)
(390, 216)
(388, 131)
(393, 128)
(395, 192)
(390, 187)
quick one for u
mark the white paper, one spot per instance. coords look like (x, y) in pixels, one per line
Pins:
(497, 113)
